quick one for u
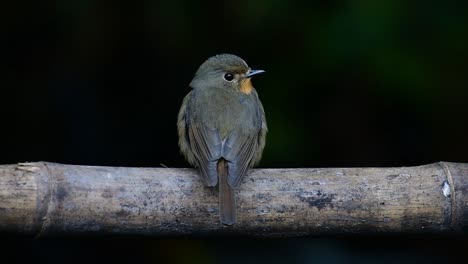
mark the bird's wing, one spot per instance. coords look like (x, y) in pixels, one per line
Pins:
(206, 147)
(184, 143)
(261, 134)
(239, 150)
(200, 144)
(243, 149)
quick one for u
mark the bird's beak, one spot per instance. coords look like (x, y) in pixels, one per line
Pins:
(251, 73)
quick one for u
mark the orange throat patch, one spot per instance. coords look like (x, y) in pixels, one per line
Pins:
(246, 86)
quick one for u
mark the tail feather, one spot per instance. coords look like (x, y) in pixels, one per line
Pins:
(227, 200)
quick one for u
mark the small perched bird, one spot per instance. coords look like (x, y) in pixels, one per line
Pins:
(222, 127)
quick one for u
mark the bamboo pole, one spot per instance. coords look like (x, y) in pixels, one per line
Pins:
(42, 198)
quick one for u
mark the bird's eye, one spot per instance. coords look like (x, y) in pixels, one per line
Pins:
(228, 77)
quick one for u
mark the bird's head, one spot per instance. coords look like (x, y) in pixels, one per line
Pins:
(225, 71)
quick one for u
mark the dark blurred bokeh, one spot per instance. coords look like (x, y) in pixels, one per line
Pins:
(348, 83)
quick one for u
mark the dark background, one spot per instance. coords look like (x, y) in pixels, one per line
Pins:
(348, 84)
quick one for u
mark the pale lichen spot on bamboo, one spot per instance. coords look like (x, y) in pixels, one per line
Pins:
(446, 190)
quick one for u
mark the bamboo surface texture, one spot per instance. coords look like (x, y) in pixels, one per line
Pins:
(43, 198)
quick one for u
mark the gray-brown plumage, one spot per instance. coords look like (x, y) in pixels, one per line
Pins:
(222, 126)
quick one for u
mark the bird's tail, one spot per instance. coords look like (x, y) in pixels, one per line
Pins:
(227, 200)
